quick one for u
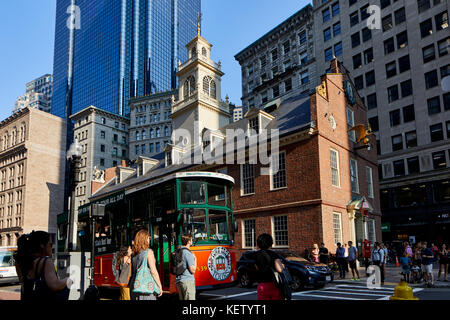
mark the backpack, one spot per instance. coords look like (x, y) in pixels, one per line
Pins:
(177, 265)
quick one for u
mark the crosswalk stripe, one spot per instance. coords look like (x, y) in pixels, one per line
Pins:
(234, 295)
(330, 297)
(360, 292)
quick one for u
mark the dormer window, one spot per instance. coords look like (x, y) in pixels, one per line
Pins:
(254, 124)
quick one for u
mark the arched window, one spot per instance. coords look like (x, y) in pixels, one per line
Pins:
(204, 51)
(138, 136)
(6, 141)
(14, 137)
(206, 81)
(193, 52)
(166, 131)
(158, 133)
(189, 86)
(144, 135)
(152, 134)
(213, 89)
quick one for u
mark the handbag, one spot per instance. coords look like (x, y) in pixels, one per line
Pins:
(121, 281)
(40, 289)
(283, 281)
(144, 282)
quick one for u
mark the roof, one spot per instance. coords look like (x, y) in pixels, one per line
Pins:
(293, 115)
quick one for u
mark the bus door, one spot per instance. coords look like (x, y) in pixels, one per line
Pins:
(165, 239)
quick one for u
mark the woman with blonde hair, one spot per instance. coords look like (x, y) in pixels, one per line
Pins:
(145, 283)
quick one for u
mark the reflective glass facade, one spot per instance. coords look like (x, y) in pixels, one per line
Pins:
(124, 48)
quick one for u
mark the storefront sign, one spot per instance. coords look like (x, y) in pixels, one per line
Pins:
(386, 227)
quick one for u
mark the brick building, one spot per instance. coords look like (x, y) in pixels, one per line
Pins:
(32, 166)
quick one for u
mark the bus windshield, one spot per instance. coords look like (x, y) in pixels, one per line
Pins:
(6, 259)
(218, 226)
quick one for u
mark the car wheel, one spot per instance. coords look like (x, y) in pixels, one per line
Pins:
(244, 280)
(297, 283)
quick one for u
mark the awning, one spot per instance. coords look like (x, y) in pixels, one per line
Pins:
(358, 204)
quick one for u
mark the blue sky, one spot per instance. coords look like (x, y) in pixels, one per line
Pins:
(27, 39)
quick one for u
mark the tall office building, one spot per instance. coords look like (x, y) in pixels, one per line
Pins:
(107, 51)
(397, 69)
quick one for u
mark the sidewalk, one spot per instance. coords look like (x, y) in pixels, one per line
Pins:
(393, 277)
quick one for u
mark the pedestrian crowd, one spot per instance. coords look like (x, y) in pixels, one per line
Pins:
(134, 268)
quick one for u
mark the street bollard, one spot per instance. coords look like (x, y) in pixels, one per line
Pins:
(403, 292)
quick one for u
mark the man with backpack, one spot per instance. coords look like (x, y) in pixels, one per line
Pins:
(184, 265)
(378, 259)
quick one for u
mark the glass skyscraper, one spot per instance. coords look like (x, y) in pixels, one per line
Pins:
(118, 49)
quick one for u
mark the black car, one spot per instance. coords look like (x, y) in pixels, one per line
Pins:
(304, 273)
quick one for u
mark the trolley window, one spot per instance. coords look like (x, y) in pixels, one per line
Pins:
(192, 192)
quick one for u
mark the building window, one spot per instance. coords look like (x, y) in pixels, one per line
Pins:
(369, 180)
(248, 179)
(389, 46)
(391, 69)
(302, 38)
(102, 148)
(387, 23)
(337, 227)
(431, 79)
(436, 132)
(274, 55)
(446, 101)
(326, 15)
(276, 91)
(397, 143)
(253, 124)
(406, 88)
(413, 165)
(443, 46)
(334, 164)
(423, 5)
(399, 168)
(280, 231)
(351, 124)
(335, 9)
(249, 233)
(374, 125)
(327, 34)
(304, 77)
(279, 178)
(428, 53)
(402, 40)
(409, 114)
(102, 134)
(439, 161)
(393, 94)
(359, 82)
(366, 34)
(370, 78)
(395, 117)
(434, 106)
(354, 19)
(426, 28)
(368, 56)
(400, 16)
(336, 29)
(403, 64)
(102, 162)
(356, 40)
(411, 139)
(328, 54)
(357, 61)
(354, 175)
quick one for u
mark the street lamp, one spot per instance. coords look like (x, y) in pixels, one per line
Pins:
(74, 159)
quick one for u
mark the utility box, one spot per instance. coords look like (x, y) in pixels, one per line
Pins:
(75, 265)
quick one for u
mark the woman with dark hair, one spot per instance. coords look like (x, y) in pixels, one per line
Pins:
(443, 262)
(123, 262)
(143, 266)
(266, 262)
(36, 269)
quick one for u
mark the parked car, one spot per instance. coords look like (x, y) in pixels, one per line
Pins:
(304, 273)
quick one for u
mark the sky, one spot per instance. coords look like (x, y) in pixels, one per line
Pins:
(27, 29)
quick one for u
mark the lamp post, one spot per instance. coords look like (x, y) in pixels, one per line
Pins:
(74, 159)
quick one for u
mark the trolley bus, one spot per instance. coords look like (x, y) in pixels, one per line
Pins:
(196, 203)
(8, 272)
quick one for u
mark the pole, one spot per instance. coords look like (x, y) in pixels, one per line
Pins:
(92, 250)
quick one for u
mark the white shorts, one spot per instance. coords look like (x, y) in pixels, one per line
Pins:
(427, 268)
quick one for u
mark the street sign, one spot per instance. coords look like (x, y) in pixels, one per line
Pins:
(386, 227)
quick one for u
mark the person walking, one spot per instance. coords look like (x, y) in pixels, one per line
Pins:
(186, 281)
(427, 264)
(405, 261)
(122, 271)
(378, 258)
(324, 256)
(266, 262)
(443, 262)
(341, 260)
(36, 268)
(385, 256)
(315, 253)
(352, 257)
(143, 267)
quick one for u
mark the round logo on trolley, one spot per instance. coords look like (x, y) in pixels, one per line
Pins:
(219, 263)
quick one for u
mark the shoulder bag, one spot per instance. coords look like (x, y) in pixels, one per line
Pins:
(144, 282)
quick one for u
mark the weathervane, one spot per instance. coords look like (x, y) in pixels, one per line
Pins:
(199, 21)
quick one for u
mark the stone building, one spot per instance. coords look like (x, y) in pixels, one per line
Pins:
(32, 166)
(104, 138)
(281, 63)
(398, 68)
(150, 124)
